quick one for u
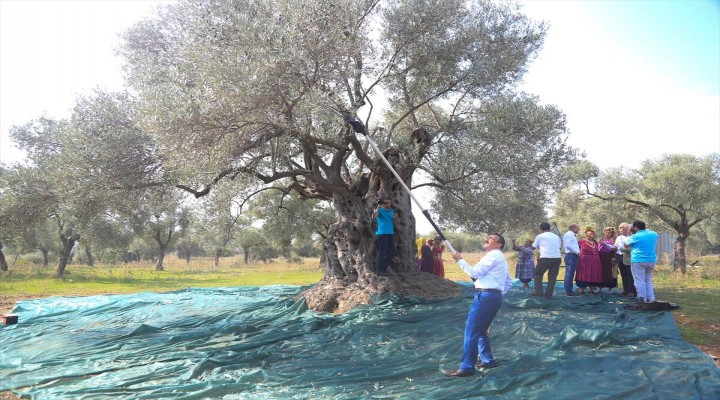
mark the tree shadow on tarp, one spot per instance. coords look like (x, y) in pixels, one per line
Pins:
(259, 343)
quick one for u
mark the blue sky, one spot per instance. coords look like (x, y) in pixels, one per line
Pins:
(682, 37)
(637, 79)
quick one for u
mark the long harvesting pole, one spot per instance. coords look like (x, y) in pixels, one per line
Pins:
(360, 128)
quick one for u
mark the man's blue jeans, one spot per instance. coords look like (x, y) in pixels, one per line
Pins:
(571, 262)
(483, 310)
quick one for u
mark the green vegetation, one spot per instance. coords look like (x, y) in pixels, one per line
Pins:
(33, 281)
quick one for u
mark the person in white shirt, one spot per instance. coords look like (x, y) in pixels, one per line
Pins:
(622, 257)
(492, 280)
(572, 256)
(549, 260)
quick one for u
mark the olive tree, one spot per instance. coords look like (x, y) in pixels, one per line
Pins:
(51, 184)
(278, 90)
(679, 191)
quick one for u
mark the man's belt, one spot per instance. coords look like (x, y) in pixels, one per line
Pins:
(488, 290)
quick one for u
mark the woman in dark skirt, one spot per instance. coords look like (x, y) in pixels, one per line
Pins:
(607, 259)
(426, 262)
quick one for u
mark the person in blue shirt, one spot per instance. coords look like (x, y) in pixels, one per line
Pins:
(643, 257)
(385, 216)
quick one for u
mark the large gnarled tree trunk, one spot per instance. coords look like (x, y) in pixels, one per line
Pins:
(349, 252)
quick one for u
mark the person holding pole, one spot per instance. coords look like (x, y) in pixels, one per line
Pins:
(385, 216)
(492, 280)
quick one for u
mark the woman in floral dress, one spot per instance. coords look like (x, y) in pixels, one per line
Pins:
(525, 267)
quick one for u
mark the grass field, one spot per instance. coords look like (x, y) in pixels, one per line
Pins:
(697, 292)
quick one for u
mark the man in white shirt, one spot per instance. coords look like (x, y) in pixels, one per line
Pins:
(492, 280)
(622, 257)
(549, 260)
(572, 257)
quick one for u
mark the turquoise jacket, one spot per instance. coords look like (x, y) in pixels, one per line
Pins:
(643, 245)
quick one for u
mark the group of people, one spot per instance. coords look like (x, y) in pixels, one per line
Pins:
(429, 256)
(593, 264)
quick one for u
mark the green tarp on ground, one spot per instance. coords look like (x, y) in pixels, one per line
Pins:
(260, 343)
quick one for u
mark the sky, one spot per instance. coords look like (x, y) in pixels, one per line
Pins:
(636, 79)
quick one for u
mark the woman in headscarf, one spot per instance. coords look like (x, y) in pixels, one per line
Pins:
(425, 256)
(589, 270)
(525, 267)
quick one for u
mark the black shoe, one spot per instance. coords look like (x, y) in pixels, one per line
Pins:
(460, 373)
(571, 294)
(481, 365)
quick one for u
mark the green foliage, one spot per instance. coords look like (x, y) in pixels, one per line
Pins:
(187, 248)
(288, 219)
(519, 149)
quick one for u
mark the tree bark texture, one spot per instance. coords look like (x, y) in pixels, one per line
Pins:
(216, 259)
(46, 260)
(90, 258)
(679, 253)
(68, 242)
(3, 261)
(161, 256)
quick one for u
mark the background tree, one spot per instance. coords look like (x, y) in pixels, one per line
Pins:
(220, 216)
(186, 248)
(677, 190)
(41, 237)
(263, 88)
(250, 239)
(141, 247)
(160, 216)
(50, 185)
(103, 234)
(287, 219)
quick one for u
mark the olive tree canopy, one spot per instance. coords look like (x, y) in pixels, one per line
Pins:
(261, 88)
